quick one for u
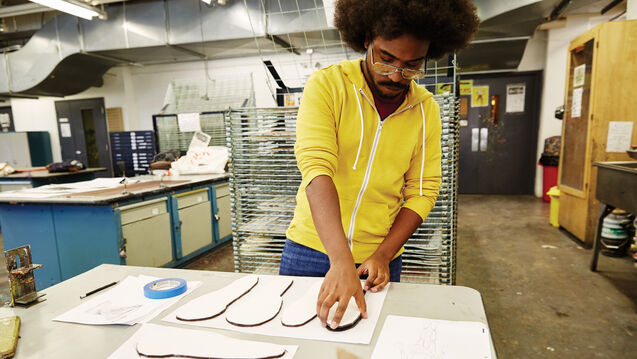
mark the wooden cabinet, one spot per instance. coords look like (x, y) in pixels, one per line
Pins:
(601, 77)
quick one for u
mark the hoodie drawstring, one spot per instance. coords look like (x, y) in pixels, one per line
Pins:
(360, 144)
(422, 164)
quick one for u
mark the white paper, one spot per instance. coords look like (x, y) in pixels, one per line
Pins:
(620, 135)
(128, 349)
(579, 75)
(576, 108)
(416, 338)
(65, 129)
(199, 140)
(464, 123)
(188, 122)
(123, 304)
(515, 98)
(360, 334)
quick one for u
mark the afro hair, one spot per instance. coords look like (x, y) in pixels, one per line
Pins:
(449, 25)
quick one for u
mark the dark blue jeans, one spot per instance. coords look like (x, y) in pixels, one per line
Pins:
(299, 260)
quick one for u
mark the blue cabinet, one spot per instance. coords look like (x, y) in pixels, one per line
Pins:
(162, 229)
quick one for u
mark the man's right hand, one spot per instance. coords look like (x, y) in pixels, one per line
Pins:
(340, 284)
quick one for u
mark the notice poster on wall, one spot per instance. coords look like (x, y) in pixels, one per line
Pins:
(515, 98)
(465, 87)
(579, 75)
(480, 96)
(65, 129)
(576, 105)
(620, 134)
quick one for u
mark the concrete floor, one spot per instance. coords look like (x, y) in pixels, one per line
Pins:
(540, 297)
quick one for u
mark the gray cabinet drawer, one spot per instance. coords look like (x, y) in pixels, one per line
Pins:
(192, 198)
(143, 210)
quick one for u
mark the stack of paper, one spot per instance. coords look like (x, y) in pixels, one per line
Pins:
(124, 304)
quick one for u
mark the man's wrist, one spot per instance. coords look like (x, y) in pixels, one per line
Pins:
(383, 255)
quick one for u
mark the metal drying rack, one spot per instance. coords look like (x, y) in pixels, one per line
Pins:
(264, 181)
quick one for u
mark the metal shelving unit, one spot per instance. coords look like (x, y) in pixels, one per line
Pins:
(430, 254)
(263, 184)
(168, 136)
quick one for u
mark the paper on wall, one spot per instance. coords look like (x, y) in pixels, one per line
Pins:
(188, 122)
(65, 129)
(576, 107)
(411, 338)
(579, 75)
(515, 98)
(620, 135)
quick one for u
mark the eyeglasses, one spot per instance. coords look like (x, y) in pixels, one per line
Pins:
(387, 69)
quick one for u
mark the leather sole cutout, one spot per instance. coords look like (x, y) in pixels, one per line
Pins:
(213, 304)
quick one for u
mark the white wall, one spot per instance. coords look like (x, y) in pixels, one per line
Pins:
(631, 10)
(140, 91)
(39, 114)
(553, 89)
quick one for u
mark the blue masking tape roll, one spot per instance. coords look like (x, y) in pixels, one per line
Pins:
(165, 288)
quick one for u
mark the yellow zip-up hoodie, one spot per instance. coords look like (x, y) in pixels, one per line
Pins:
(377, 166)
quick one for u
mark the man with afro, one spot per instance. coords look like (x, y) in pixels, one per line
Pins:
(368, 147)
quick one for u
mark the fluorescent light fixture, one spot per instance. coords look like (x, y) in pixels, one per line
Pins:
(75, 8)
(207, 1)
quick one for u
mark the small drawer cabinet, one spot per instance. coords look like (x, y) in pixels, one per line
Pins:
(164, 227)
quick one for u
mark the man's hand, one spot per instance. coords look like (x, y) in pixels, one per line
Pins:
(377, 270)
(340, 284)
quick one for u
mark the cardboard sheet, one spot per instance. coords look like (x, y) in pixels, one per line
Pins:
(128, 349)
(361, 334)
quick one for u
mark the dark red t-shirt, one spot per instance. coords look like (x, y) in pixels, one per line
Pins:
(386, 106)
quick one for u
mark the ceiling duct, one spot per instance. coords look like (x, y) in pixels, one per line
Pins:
(68, 55)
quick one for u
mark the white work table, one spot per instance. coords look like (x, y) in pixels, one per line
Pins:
(40, 337)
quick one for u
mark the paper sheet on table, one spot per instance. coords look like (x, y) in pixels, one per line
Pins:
(128, 349)
(412, 338)
(123, 304)
(360, 334)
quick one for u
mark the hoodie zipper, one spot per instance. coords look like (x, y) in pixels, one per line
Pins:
(368, 170)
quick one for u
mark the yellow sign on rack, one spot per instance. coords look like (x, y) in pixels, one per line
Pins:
(443, 88)
(465, 87)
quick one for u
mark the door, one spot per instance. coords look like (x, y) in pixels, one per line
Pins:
(498, 133)
(84, 133)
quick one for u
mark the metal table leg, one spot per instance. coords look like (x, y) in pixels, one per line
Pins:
(598, 235)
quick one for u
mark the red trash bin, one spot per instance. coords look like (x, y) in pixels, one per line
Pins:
(549, 179)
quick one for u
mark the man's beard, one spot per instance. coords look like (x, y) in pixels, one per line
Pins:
(390, 85)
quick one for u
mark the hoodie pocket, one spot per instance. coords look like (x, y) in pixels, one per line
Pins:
(371, 224)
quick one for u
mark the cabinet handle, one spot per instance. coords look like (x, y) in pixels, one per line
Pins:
(217, 217)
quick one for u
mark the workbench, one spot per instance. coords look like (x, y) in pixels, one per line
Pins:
(616, 188)
(40, 337)
(156, 222)
(39, 178)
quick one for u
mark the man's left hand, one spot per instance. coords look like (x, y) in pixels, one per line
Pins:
(377, 270)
